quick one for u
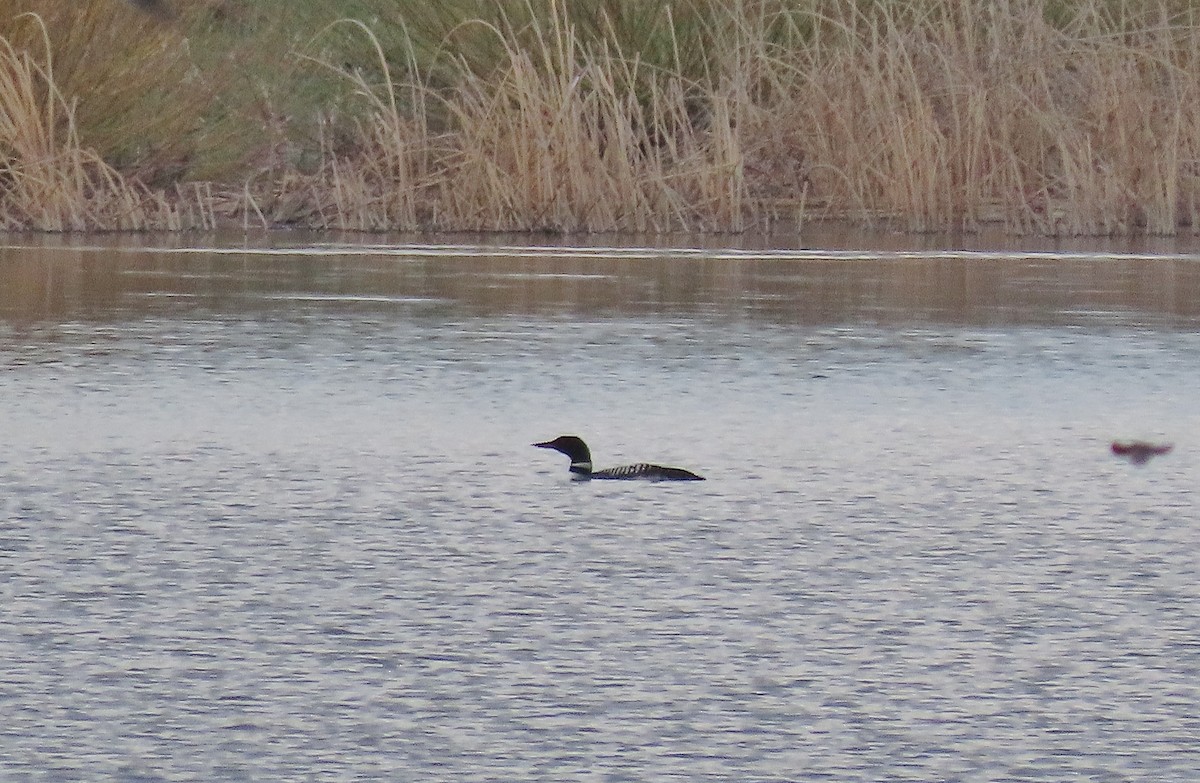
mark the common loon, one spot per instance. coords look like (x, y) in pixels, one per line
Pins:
(1139, 452)
(581, 464)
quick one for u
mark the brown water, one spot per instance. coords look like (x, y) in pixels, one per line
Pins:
(272, 514)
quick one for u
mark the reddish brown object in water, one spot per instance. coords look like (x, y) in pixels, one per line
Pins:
(1139, 452)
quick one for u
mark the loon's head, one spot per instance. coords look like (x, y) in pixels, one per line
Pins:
(571, 445)
(574, 447)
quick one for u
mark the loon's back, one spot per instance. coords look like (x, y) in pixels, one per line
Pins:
(581, 464)
(644, 470)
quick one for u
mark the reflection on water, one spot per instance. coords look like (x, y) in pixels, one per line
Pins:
(784, 287)
(275, 515)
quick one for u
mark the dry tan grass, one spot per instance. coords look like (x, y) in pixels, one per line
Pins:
(384, 183)
(50, 181)
(974, 113)
(1078, 117)
(555, 138)
(564, 144)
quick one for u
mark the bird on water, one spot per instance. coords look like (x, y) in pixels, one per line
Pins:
(1139, 452)
(581, 464)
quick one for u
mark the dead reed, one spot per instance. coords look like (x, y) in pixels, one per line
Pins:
(51, 182)
(1070, 117)
(566, 135)
(951, 115)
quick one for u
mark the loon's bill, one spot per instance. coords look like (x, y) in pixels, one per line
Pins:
(581, 464)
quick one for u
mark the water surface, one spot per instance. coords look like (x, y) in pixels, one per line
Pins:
(271, 513)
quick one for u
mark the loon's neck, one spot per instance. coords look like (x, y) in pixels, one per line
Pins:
(582, 469)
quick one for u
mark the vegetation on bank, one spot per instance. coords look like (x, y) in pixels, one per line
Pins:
(1060, 117)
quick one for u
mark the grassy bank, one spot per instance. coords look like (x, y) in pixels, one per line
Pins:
(1071, 117)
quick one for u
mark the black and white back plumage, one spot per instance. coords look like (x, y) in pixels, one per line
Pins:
(644, 470)
(581, 464)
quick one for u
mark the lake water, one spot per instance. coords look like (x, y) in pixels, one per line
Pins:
(272, 513)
